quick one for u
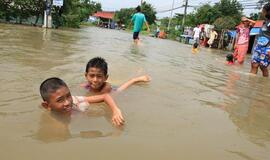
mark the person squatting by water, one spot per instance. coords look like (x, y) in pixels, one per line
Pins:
(138, 19)
(58, 99)
(242, 39)
(261, 51)
(96, 74)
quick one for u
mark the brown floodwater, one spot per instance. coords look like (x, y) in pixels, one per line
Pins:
(196, 107)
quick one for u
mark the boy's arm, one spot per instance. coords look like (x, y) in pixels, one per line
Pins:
(117, 118)
(132, 81)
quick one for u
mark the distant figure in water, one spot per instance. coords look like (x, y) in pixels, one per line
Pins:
(138, 19)
(195, 48)
(230, 59)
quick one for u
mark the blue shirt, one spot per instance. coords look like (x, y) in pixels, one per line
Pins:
(138, 19)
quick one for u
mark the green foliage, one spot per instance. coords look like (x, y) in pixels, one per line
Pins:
(225, 23)
(5, 9)
(207, 14)
(20, 9)
(87, 8)
(71, 20)
(125, 14)
(255, 16)
(149, 11)
(70, 15)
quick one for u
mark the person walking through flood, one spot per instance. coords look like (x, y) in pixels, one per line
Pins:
(138, 19)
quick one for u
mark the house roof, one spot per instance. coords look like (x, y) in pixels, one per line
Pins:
(104, 14)
(259, 23)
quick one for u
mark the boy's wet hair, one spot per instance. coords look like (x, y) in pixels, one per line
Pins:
(138, 9)
(49, 86)
(266, 7)
(195, 45)
(229, 57)
(99, 63)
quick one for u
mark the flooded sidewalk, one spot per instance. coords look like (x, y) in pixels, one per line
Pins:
(196, 107)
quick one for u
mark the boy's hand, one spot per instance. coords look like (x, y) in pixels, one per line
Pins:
(144, 78)
(117, 118)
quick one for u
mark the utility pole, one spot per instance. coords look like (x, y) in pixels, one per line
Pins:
(185, 13)
(171, 16)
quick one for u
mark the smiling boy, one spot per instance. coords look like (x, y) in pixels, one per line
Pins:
(96, 74)
(57, 98)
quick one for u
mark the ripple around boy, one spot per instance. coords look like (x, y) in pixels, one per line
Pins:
(57, 98)
(96, 74)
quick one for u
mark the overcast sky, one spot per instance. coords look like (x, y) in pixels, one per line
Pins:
(161, 5)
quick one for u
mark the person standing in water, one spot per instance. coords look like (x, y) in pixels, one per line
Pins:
(242, 39)
(138, 19)
(213, 36)
(261, 51)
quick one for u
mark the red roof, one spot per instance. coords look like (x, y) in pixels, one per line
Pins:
(103, 14)
(259, 23)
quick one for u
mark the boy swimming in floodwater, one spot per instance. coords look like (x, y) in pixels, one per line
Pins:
(261, 51)
(96, 74)
(58, 99)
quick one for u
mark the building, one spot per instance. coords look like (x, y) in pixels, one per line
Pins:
(105, 19)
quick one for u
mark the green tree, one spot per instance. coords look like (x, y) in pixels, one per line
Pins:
(5, 9)
(206, 14)
(124, 15)
(149, 11)
(73, 12)
(254, 16)
(225, 23)
(230, 8)
(87, 8)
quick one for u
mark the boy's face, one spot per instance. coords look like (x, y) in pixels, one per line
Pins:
(96, 78)
(59, 101)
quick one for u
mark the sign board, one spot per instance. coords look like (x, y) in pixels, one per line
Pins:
(58, 2)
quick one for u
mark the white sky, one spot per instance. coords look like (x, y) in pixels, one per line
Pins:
(112, 5)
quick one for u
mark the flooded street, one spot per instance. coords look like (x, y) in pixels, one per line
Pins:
(195, 107)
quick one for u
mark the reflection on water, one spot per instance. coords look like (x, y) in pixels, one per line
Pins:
(196, 107)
